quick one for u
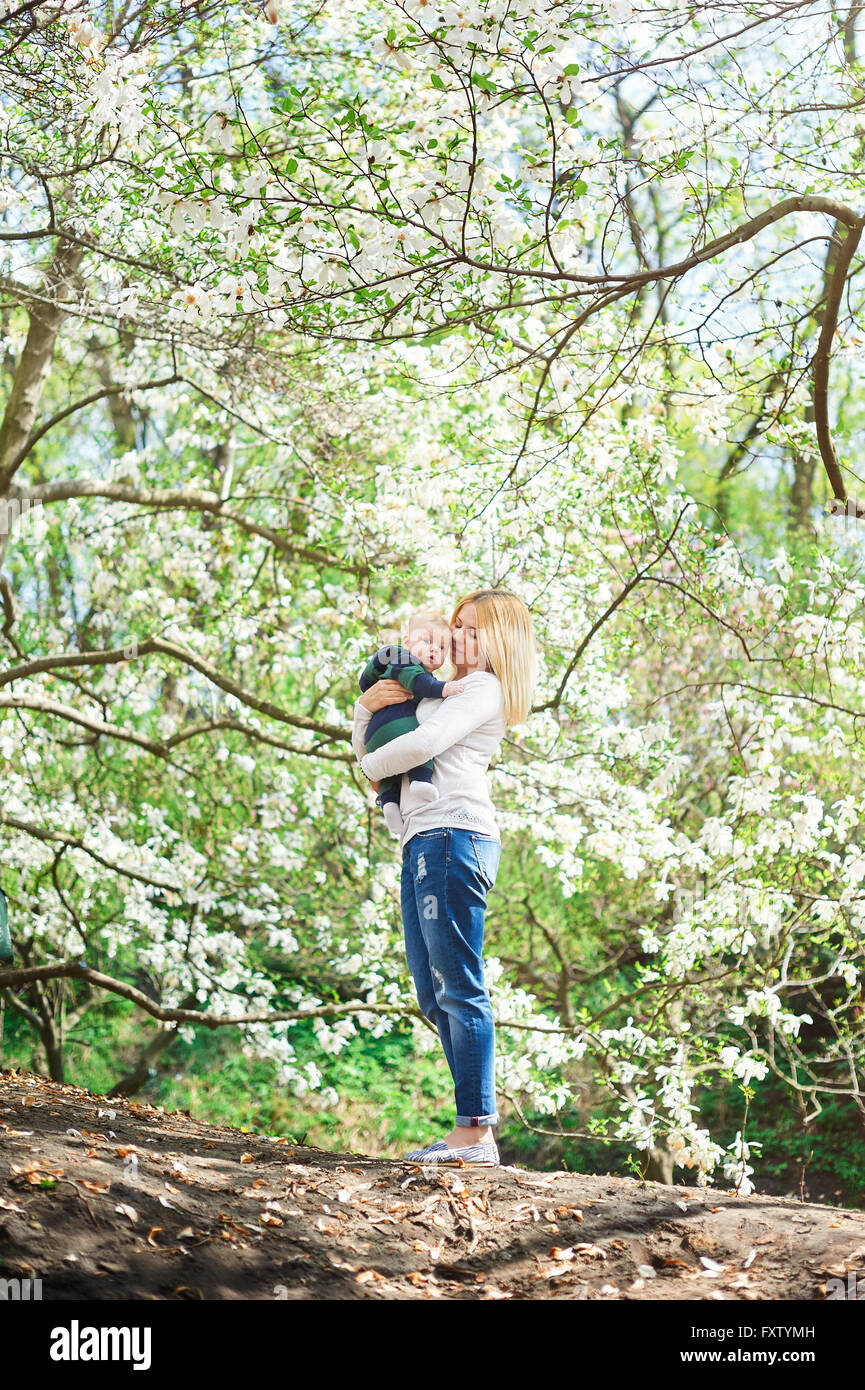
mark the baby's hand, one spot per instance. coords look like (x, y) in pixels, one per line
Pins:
(452, 688)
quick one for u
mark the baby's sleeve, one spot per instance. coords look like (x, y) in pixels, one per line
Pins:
(370, 674)
(426, 687)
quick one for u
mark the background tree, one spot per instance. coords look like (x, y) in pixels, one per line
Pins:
(312, 316)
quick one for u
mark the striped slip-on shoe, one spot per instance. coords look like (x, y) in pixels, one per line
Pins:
(472, 1155)
(422, 1153)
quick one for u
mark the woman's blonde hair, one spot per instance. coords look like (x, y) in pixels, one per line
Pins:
(507, 644)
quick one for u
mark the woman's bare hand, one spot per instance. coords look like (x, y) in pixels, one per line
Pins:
(383, 693)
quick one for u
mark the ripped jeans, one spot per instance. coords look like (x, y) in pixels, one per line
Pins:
(446, 874)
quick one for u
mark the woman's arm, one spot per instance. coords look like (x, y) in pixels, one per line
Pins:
(480, 701)
(388, 692)
(361, 717)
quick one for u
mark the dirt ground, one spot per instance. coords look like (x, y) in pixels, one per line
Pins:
(116, 1199)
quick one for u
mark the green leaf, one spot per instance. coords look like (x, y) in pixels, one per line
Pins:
(437, 82)
(572, 70)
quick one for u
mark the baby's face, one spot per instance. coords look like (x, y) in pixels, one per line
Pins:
(431, 646)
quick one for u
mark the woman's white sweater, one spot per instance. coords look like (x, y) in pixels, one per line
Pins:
(460, 734)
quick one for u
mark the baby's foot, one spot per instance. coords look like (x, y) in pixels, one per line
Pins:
(419, 794)
(393, 817)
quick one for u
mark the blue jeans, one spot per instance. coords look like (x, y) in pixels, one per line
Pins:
(446, 874)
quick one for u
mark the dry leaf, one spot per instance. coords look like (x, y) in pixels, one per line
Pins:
(524, 1208)
(573, 1212)
(267, 1219)
(34, 1172)
(153, 1232)
(247, 1158)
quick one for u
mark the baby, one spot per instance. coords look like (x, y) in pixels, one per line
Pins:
(424, 649)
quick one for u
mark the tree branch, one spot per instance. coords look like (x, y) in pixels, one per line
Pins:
(158, 644)
(77, 970)
(186, 499)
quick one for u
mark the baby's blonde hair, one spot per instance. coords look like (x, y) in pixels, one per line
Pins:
(427, 617)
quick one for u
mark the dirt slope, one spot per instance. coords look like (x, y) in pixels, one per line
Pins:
(137, 1203)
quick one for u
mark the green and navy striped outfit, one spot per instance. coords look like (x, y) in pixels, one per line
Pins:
(396, 663)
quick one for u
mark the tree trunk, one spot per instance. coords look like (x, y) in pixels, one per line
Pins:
(25, 398)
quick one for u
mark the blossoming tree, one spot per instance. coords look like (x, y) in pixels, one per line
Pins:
(315, 312)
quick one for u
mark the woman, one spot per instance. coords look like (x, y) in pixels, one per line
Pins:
(451, 847)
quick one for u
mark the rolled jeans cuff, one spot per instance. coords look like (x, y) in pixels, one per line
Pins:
(467, 1121)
